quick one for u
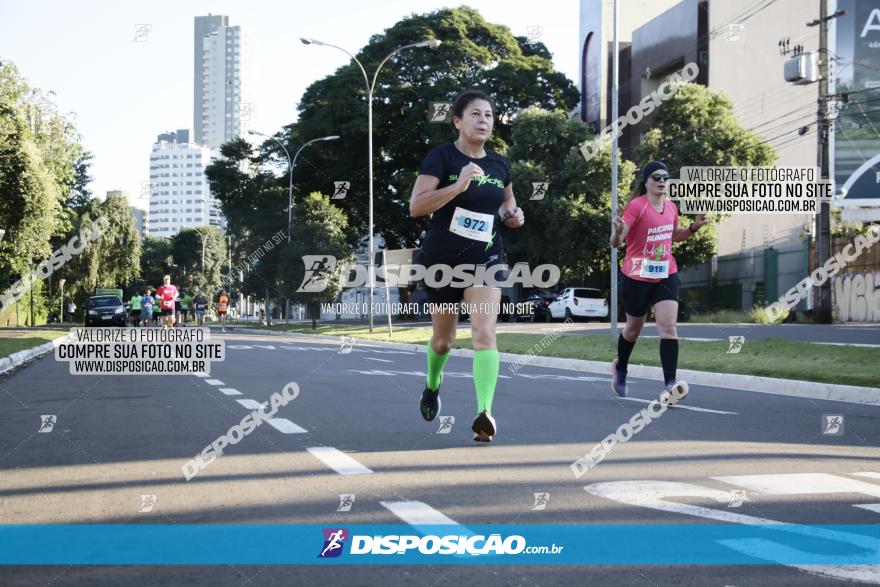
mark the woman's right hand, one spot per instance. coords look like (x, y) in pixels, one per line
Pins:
(618, 230)
(468, 172)
(617, 224)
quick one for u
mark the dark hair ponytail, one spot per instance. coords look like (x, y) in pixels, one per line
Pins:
(638, 188)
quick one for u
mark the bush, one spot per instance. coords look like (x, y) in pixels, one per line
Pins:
(720, 317)
(759, 316)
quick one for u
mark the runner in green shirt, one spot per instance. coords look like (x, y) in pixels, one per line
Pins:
(185, 304)
(134, 312)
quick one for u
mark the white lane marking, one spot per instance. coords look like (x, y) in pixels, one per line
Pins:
(202, 375)
(286, 426)
(288, 347)
(378, 359)
(555, 377)
(683, 407)
(214, 382)
(303, 348)
(417, 513)
(229, 391)
(694, 338)
(801, 484)
(871, 507)
(859, 344)
(419, 374)
(250, 404)
(654, 494)
(868, 474)
(338, 461)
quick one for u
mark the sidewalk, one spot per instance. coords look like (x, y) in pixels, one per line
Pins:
(20, 345)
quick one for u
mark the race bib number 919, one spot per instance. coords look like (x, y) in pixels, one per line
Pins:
(654, 269)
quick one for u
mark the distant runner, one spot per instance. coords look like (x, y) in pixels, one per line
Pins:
(167, 295)
(147, 303)
(200, 304)
(222, 309)
(134, 310)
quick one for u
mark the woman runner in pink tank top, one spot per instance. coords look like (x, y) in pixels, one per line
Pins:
(649, 225)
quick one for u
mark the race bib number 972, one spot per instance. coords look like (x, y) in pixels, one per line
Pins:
(472, 225)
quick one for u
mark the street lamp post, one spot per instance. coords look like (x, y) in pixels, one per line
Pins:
(204, 236)
(61, 283)
(433, 44)
(291, 163)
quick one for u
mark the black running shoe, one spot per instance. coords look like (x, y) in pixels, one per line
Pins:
(484, 427)
(430, 404)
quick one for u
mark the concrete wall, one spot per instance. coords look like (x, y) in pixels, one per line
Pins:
(856, 297)
(748, 68)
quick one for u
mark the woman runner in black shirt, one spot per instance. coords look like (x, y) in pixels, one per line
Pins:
(467, 190)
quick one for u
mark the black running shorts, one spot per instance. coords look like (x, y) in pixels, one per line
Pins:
(639, 295)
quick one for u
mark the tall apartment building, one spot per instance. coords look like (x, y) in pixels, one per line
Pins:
(225, 90)
(204, 26)
(179, 194)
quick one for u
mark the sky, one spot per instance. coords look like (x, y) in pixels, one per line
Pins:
(124, 88)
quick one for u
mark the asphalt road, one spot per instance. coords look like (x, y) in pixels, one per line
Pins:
(118, 438)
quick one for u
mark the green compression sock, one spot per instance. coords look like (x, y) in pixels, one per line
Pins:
(435, 368)
(486, 364)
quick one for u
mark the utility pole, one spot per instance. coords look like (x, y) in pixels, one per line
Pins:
(806, 68)
(822, 310)
(615, 73)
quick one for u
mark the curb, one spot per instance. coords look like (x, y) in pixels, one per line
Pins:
(21, 357)
(770, 385)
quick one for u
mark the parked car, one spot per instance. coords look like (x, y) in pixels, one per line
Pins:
(579, 302)
(539, 302)
(105, 310)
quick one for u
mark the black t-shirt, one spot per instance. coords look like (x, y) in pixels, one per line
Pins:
(484, 195)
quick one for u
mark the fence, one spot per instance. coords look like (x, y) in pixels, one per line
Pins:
(741, 281)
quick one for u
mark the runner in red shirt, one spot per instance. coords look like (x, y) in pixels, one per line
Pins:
(649, 224)
(167, 294)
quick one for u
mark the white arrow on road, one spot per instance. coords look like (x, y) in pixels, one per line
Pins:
(655, 495)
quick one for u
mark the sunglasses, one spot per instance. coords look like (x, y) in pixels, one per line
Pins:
(659, 177)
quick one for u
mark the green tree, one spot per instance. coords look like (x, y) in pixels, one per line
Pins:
(113, 260)
(474, 53)
(40, 152)
(321, 230)
(31, 199)
(255, 206)
(157, 260)
(186, 250)
(79, 195)
(570, 226)
(697, 128)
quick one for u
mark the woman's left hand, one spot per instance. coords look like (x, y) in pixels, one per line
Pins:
(514, 218)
